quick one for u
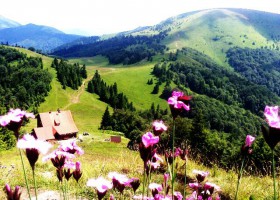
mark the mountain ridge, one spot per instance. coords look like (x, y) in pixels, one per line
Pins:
(40, 37)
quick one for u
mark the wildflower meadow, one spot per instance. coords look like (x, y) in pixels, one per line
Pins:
(165, 171)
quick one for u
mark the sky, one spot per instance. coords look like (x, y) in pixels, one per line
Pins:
(98, 17)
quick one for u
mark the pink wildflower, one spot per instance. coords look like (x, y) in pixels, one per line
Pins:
(177, 100)
(13, 120)
(155, 188)
(158, 127)
(200, 175)
(149, 139)
(12, 195)
(194, 186)
(272, 117)
(102, 186)
(212, 186)
(77, 173)
(120, 181)
(178, 196)
(249, 140)
(70, 146)
(33, 147)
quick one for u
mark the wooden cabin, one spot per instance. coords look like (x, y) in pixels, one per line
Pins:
(58, 125)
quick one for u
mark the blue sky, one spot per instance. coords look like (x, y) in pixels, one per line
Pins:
(97, 17)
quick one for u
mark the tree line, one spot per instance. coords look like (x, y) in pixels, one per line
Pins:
(119, 49)
(259, 66)
(109, 93)
(24, 84)
(70, 75)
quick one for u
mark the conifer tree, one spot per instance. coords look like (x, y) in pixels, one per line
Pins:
(106, 120)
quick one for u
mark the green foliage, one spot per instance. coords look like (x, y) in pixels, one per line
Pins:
(203, 76)
(68, 74)
(259, 66)
(120, 49)
(23, 81)
(109, 94)
(23, 84)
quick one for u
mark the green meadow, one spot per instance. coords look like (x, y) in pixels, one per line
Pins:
(101, 156)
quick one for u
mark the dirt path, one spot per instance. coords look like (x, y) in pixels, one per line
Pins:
(75, 98)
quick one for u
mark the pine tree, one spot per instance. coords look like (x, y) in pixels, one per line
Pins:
(106, 120)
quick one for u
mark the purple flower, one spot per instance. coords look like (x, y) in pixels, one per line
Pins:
(33, 147)
(249, 140)
(135, 183)
(177, 100)
(120, 181)
(194, 186)
(77, 173)
(193, 196)
(13, 119)
(272, 117)
(271, 134)
(70, 146)
(178, 196)
(149, 139)
(102, 186)
(158, 127)
(12, 195)
(211, 187)
(155, 188)
(200, 175)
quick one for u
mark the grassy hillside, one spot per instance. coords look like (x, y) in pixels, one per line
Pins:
(102, 157)
(213, 32)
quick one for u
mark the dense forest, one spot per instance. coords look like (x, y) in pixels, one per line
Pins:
(203, 76)
(68, 74)
(23, 84)
(260, 66)
(225, 108)
(119, 49)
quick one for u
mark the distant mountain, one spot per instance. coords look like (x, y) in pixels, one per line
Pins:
(7, 23)
(40, 37)
(212, 31)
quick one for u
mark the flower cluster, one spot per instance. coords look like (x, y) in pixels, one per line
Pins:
(118, 182)
(203, 191)
(61, 159)
(12, 194)
(178, 102)
(33, 148)
(14, 118)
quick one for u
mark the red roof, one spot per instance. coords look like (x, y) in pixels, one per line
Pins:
(60, 122)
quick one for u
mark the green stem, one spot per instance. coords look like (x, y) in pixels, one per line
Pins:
(24, 173)
(185, 180)
(239, 178)
(273, 173)
(173, 159)
(144, 181)
(35, 184)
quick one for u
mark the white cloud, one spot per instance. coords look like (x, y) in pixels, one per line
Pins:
(108, 16)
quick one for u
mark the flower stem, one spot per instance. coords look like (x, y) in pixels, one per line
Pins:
(185, 180)
(173, 159)
(273, 173)
(239, 178)
(35, 184)
(144, 180)
(24, 173)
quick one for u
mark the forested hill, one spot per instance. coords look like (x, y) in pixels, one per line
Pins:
(23, 83)
(119, 49)
(208, 31)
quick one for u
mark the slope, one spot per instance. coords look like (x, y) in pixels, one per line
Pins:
(213, 32)
(40, 37)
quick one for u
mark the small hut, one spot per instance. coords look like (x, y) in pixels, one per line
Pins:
(58, 125)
